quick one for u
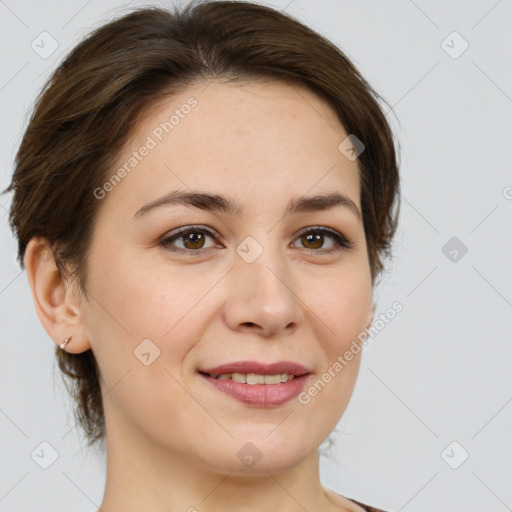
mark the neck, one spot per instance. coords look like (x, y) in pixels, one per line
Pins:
(142, 475)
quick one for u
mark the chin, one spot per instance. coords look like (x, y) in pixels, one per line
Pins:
(258, 455)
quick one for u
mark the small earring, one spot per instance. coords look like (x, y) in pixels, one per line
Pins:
(64, 343)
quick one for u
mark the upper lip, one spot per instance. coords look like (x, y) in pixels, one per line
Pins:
(258, 368)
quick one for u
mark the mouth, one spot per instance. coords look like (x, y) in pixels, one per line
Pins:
(252, 378)
(256, 384)
(255, 368)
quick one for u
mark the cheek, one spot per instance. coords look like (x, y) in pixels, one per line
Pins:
(137, 303)
(137, 300)
(344, 310)
(344, 307)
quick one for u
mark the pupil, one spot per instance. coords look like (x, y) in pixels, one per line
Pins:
(314, 239)
(194, 238)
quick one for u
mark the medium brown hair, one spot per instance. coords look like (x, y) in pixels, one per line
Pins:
(91, 104)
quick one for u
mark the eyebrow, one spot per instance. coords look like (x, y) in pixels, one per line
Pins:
(219, 203)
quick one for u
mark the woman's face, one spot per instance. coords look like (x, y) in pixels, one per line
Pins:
(254, 285)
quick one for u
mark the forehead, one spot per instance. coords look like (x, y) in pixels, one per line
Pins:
(256, 140)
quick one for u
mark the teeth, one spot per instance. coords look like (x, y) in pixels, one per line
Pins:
(253, 378)
(238, 377)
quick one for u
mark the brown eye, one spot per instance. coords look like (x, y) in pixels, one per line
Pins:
(192, 239)
(195, 239)
(313, 239)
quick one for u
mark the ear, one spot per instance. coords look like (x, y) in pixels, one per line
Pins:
(55, 300)
(371, 315)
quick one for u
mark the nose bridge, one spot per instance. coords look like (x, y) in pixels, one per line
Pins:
(262, 291)
(263, 263)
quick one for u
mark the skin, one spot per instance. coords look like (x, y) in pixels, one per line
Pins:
(172, 439)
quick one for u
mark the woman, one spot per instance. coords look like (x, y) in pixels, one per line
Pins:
(202, 200)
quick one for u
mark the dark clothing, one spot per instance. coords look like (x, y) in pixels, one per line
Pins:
(367, 507)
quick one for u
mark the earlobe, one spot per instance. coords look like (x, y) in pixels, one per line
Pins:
(52, 296)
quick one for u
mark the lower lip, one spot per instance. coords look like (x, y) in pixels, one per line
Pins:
(260, 395)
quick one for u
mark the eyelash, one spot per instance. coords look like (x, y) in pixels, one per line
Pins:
(342, 243)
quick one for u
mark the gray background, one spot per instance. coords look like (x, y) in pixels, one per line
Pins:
(440, 371)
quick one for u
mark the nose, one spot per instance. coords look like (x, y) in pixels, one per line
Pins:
(263, 297)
